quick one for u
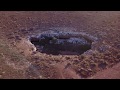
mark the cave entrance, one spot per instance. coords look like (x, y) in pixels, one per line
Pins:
(61, 43)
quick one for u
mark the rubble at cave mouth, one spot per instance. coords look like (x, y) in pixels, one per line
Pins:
(60, 42)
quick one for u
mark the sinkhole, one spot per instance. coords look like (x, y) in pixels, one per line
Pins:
(61, 43)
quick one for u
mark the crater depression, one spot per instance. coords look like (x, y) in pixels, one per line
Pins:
(61, 42)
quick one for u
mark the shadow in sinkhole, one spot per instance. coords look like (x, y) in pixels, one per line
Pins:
(61, 43)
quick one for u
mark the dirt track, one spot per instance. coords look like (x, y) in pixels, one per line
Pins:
(18, 60)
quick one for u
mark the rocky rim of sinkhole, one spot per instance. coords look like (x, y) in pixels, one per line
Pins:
(62, 42)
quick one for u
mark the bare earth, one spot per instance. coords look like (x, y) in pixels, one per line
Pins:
(20, 60)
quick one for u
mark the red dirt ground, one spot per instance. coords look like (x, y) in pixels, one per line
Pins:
(19, 60)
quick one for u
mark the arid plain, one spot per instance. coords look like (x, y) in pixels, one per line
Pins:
(20, 60)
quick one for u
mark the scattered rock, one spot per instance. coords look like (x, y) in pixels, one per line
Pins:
(83, 73)
(67, 65)
(76, 61)
(67, 58)
(102, 65)
(93, 66)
